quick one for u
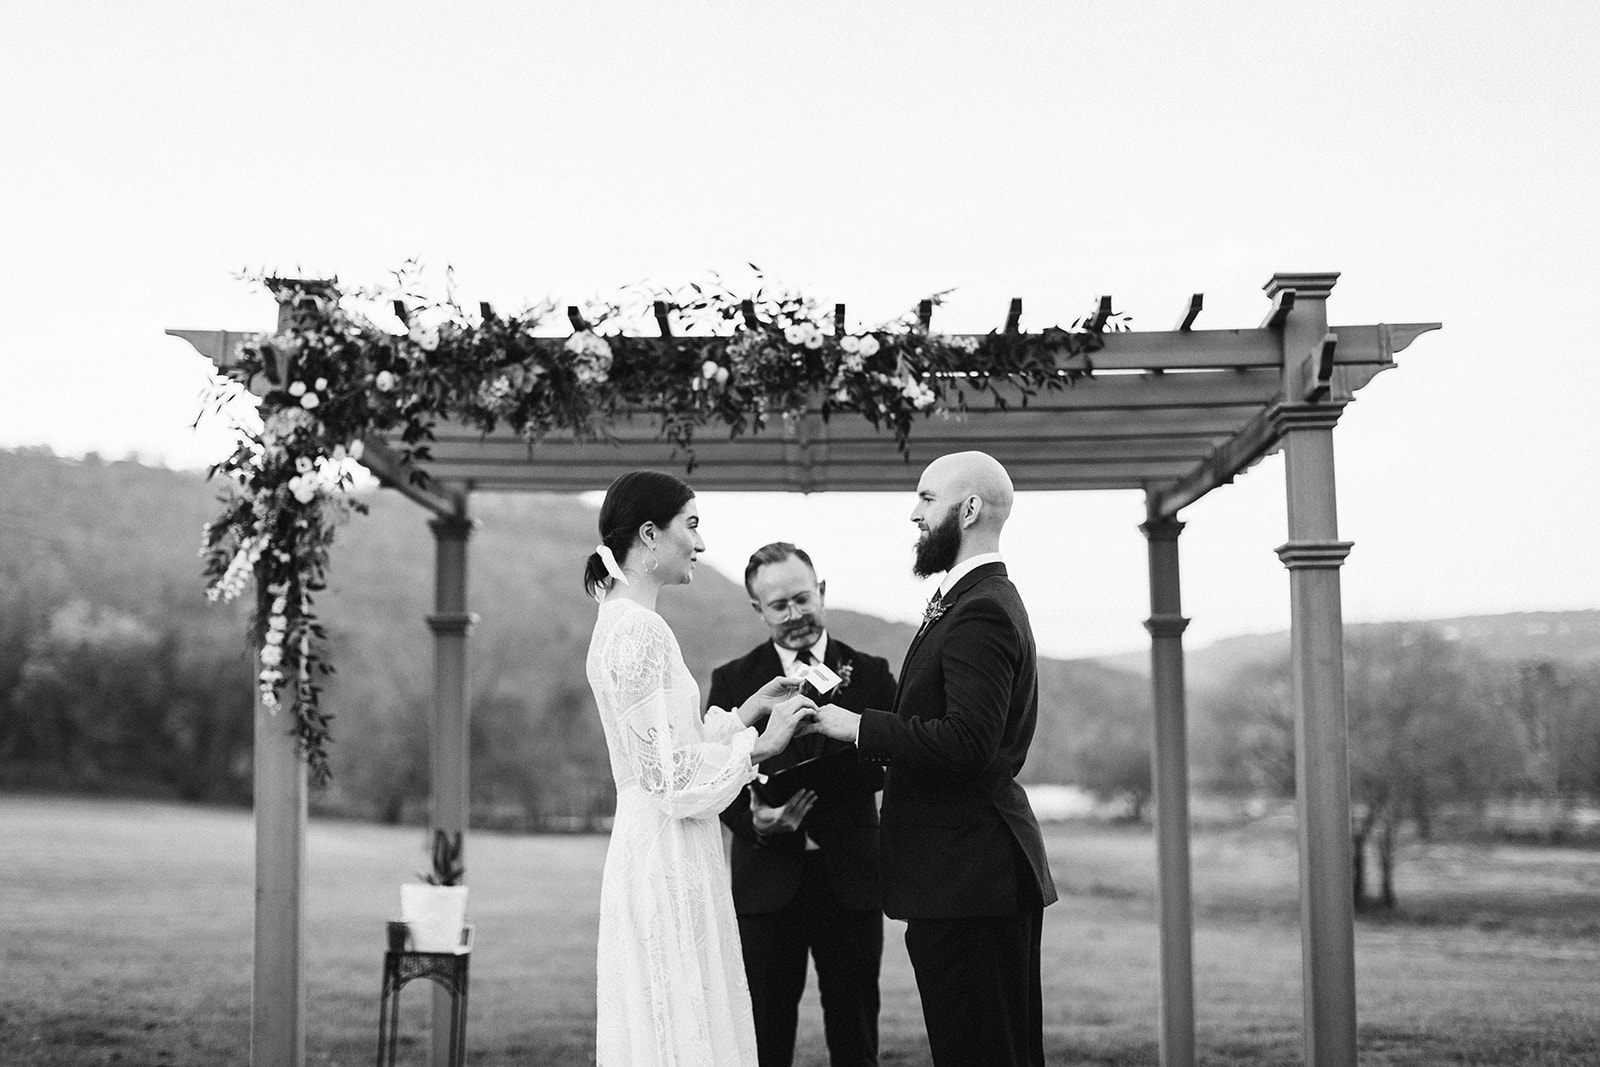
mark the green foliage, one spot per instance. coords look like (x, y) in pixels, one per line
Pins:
(447, 868)
(331, 378)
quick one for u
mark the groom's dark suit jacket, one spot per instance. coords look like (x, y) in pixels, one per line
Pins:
(767, 872)
(955, 821)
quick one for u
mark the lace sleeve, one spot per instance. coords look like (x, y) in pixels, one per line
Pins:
(676, 765)
(721, 725)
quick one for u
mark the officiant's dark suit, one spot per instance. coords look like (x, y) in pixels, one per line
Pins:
(963, 859)
(814, 890)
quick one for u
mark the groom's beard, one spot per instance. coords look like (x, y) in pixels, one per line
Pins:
(939, 547)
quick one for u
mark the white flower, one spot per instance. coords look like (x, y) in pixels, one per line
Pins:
(424, 337)
(338, 454)
(869, 345)
(814, 338)
(708, 369)
(274, 637)
(309, 401)
(297, 388)
(278, 620)
(386, 381)
(841, 396)
(853, 363)
(795, 334)
(302, 464)
(356, 449)
(594, 356)
(304, 487)
(850, 343)
(271, 655)
(919, 394)
(587, 343)
(722, 375)
(321, 385)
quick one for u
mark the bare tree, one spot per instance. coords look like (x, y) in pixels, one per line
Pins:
(1422, 732)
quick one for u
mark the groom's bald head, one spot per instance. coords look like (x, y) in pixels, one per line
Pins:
(975, 474)
(966, 495)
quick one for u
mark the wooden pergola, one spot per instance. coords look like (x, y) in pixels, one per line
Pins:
(1173, 413)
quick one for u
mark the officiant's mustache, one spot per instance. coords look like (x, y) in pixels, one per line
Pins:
(800, 627)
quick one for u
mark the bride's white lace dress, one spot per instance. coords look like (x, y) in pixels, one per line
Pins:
(671, 987)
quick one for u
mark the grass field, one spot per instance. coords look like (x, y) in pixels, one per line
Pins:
(125, 937)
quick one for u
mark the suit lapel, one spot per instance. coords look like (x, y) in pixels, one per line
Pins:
(968, 580)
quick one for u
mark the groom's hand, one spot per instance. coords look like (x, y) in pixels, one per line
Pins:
(841, 724)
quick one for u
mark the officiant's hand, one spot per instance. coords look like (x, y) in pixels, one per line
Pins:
(759, 706)
(831, 720)
(786, 717)
(786, 819)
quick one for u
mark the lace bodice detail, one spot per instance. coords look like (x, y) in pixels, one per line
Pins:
(650, 708)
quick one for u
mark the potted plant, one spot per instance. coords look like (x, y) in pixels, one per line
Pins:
(435, 912)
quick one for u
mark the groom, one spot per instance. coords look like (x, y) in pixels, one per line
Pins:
(963, 859)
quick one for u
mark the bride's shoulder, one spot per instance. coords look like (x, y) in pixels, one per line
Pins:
(628, 616)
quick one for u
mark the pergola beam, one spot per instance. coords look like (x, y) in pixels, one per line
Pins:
(439, 497)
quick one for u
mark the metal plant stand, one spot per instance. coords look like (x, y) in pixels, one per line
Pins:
(446, 969)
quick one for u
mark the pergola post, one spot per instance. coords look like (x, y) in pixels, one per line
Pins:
(1313, 555)
(451, 624)
(1170, 779)
(278, 990)
(279, 793)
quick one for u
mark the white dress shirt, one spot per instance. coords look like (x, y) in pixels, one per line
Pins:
(787, 656)
(966, 566)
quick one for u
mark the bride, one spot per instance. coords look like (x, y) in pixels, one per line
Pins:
(671, 987)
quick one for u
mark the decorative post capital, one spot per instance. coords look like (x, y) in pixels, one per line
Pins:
(453, 623)
(1306, 286)
(1314, 555)
(1286, 417)
(1161, 529)
(1161, 626)
(452, 527)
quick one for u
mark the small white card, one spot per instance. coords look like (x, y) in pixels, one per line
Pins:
(821, 678)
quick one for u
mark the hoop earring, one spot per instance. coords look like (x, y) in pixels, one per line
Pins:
(653, 562)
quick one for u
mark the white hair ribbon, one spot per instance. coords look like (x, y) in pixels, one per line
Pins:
(609, 558)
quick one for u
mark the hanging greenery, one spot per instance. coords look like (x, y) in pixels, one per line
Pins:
(333, 375)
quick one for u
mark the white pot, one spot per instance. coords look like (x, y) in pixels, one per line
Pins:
(436, 915)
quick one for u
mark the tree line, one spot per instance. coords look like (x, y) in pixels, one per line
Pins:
(117, 676)
(1438, 732)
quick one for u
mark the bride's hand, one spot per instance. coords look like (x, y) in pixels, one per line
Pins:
(785, 717)
(760, 703)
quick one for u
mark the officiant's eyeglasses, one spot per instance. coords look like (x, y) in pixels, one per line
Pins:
(799, 604)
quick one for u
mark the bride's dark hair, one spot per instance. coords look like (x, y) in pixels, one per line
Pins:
(631, 501)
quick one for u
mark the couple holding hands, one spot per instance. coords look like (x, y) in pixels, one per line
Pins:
(691, 971)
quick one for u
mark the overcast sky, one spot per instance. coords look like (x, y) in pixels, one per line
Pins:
(1442, 156)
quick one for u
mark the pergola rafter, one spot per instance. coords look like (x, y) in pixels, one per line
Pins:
(1172, 413)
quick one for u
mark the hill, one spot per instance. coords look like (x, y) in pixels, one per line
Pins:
(1571, 637)
(126, 536)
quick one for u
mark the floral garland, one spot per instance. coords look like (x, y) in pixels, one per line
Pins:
(331, 377)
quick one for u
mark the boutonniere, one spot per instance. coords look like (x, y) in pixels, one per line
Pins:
(846, 669)
(936, 607)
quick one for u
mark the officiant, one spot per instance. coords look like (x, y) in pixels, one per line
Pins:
(805, 868)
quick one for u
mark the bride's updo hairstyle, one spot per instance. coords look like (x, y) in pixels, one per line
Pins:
(631, 501)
